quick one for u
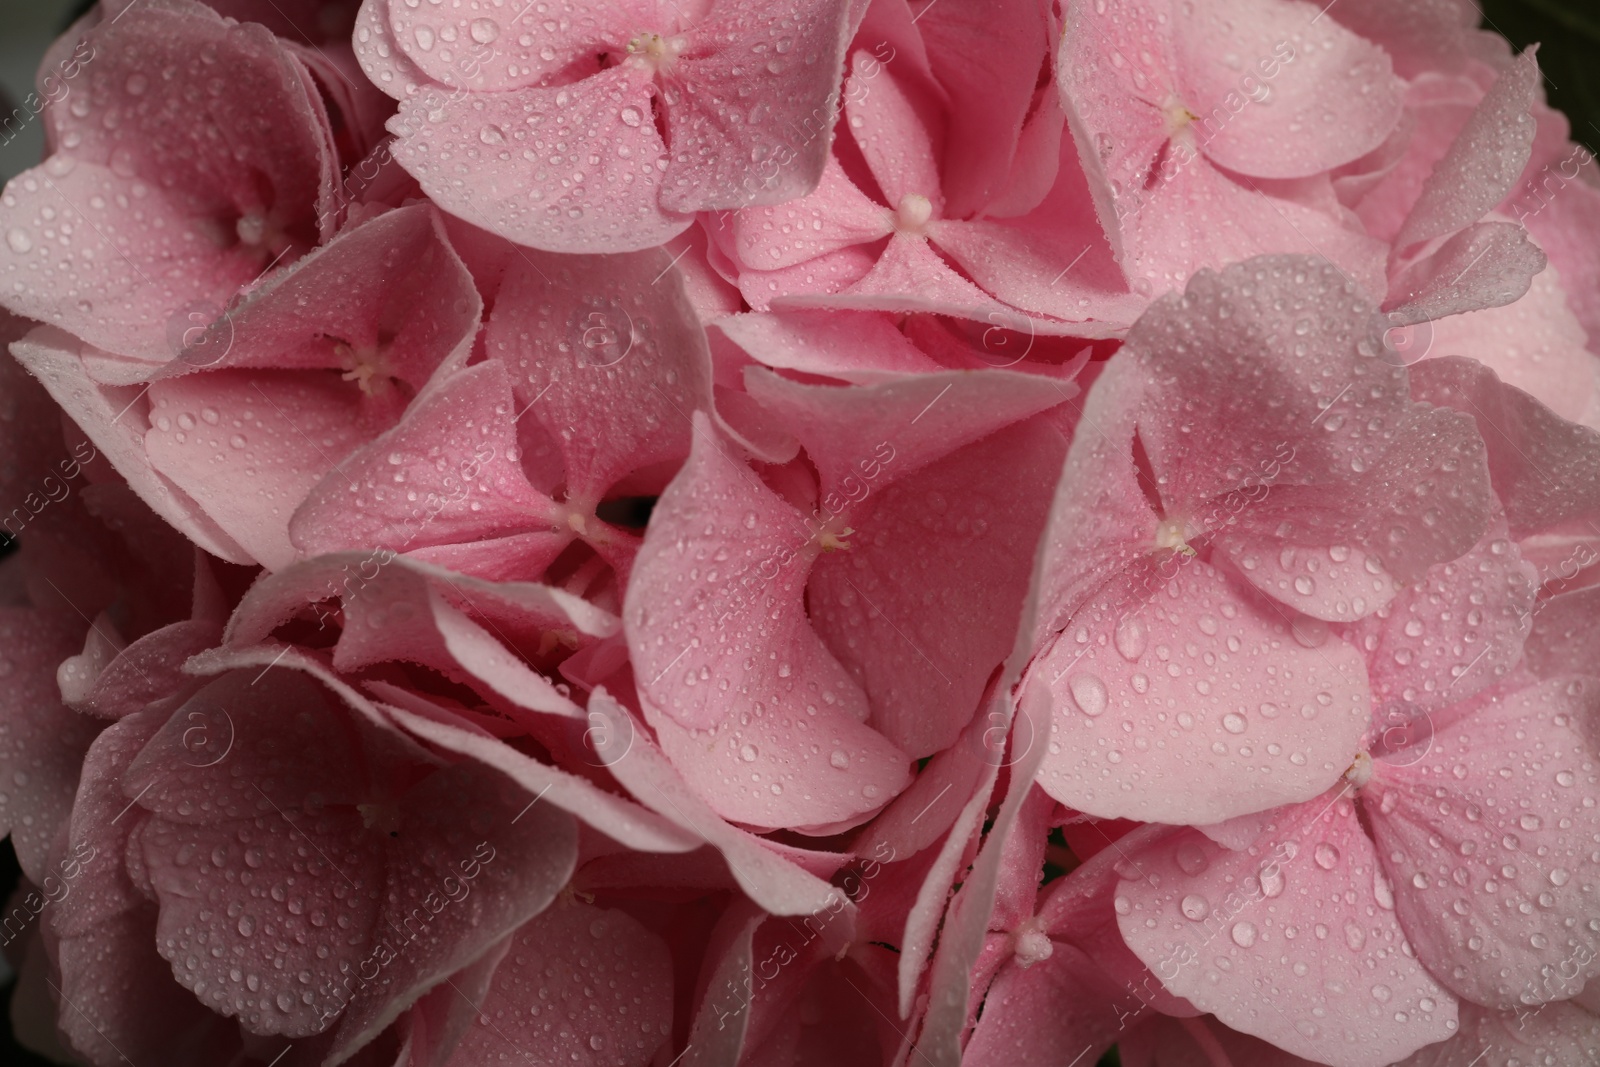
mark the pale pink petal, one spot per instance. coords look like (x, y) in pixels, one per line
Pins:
(1563, 1032)
(1424, 35)
(1237, 716)
(1543, 467)
(1486, 265)
(470, 157)
(1489, 836)
(1455, 632)
(382, 59)
(1484, 162)
(607, 355)
(1535, 344)
(1331, 96)
(1196, 216)
(602, 984)
(925, 603)
(281, 456)
(746, 129)
(1293, 940)
(725, 560)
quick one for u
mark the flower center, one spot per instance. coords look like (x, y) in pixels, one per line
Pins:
(912, 216)
(1178, 116)
(1174, 534)
(365, 366)
(1359, 772)
(1031, 944)
(656, 50)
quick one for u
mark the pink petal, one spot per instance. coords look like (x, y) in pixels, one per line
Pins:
(1062, 1006)
(1453, 633)
(1534, 343)
(608, 356)
(382, 59)
(677, 789)
(260, 444)
(1293, 940)
(1425, 36)
(1237, 717)
(898, 126)
(1485, 161)
(1562, 1032)
(116, 420)
(195, 166)
(1487, 265)
(147, 670)
(1543, 467)
(603, 984)
(852, 346)
(1276, 118)
(925, 604)
(1486, 837)
(1196, 216)
(487, 46)
(42, 743)
(833, 216)
(468, 156)
(988, 101)
(447, 474)
(725, 559)
(864, 437)
(456, 886)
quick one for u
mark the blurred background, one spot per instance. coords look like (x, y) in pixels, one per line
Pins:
(1568, 32)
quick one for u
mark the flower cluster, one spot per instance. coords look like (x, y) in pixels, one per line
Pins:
(801, 532)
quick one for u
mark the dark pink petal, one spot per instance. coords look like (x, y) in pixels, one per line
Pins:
(607, 355)
(111, 682)
(1293, 940)
(42, 743)
(1488, 840)
(1196, 707)
(1483, 163)
(476, 858)
(601, 983)
(750, 107)
(471, 156)
(1308, 95)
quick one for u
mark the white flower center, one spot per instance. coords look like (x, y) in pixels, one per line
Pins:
(912, 216)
